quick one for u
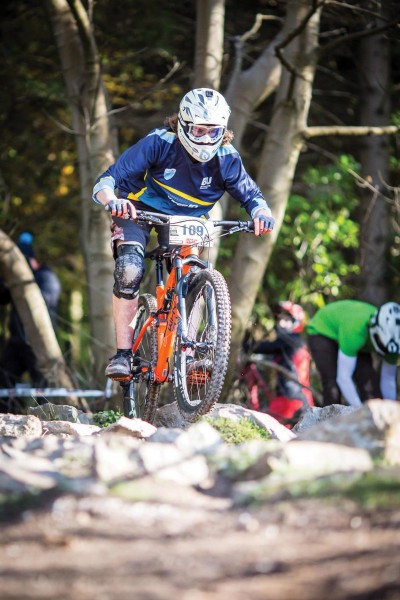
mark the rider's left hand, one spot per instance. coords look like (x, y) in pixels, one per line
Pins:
(263, 222)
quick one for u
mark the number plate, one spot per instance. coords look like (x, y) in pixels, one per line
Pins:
(187, 231)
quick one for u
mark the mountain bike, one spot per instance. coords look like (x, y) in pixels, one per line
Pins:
(182, 334)
(255, 387)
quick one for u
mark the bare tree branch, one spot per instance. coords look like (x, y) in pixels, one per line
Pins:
(358, 35)
(344, 130)
(240, 40)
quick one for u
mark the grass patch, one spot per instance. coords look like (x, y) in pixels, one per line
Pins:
(376, 490)
(238, 432)
(104, 418)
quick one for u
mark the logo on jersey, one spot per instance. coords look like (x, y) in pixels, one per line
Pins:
(169, 173)
(205, 184)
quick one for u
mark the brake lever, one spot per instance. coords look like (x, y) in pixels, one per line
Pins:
(241, 227)
(148, 220)
(141, 218)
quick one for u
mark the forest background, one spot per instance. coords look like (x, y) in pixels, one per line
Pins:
(314, 90)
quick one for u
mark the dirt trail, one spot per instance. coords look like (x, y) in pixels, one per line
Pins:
(196, 549)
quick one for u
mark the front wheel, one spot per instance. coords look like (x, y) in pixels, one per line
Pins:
(145, 391)
(201, 356)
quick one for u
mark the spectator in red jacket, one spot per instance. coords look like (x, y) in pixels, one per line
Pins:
(289, 351)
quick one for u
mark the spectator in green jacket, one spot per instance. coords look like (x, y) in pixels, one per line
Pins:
(343, 338)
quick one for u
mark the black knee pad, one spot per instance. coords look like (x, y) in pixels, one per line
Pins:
(129, 270)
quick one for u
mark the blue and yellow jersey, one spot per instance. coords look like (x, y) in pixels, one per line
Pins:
(158, 172)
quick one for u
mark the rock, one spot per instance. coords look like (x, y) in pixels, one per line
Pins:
(66, 428)
(316, 415)
(321, 458)
(133, 427)
(298, 460)
(166, 461)
(236, 412)
(375, 426)
(27, 426)
(115, 458)
(59, 412)
(200, 438)
(169, 416)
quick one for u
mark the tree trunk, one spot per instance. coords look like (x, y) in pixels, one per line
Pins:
(97, 149)
(33, 313)
(277, 165)
(210, 16)
(246, 90)
(375, 111)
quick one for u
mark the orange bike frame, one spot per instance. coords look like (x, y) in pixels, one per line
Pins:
(166, 323)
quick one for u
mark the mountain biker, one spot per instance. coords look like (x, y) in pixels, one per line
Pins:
(289, 351)
(182, 168)
(343, 338)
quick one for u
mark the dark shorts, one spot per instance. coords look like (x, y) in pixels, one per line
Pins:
(124, 230)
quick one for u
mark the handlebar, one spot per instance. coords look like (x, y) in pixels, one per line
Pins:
(160, 219)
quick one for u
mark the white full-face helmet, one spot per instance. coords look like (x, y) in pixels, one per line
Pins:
(202, 121)
(384, 329)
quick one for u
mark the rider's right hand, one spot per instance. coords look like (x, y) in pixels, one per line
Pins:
(121, 207)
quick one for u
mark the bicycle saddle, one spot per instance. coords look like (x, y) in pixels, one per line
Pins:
(158, 252)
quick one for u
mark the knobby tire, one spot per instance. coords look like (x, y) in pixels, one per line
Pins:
(199, 372)
(146, 391)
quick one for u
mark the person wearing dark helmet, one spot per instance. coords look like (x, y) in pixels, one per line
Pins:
(182, 168)
(17, 357)
(289, 351)
(343, 337)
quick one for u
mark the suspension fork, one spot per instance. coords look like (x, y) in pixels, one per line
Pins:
(183, 271)
(181, 290)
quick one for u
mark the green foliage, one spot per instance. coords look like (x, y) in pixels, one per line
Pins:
(104, 418)
(238, 432)
(315, 258)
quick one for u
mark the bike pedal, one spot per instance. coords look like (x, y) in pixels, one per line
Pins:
(137, 365)
(121, 378)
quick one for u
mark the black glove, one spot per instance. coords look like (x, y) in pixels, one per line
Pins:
(120, 207)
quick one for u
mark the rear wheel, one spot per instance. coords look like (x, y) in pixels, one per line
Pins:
(145, 391)
(201, 359)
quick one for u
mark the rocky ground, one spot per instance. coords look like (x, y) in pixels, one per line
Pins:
(149, 535)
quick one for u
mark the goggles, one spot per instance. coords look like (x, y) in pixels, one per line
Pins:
(203, 134)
